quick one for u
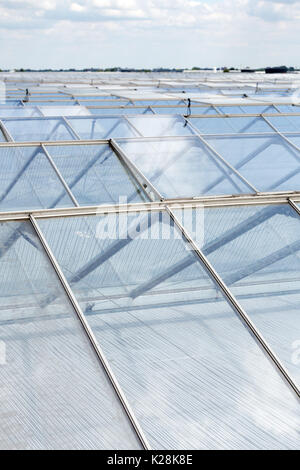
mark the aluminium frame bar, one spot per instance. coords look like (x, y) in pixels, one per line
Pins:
(235, 304)
(209, 202)
(104, 362)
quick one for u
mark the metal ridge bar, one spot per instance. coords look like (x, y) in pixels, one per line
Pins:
(211, 201)
(115, 108)
(104, 362)
(137, 139)
(235, 304)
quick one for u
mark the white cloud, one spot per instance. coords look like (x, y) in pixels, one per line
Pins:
(194, 32)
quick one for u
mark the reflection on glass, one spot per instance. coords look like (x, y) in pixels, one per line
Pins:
(28, 181)
(38, 130)
(269, 163)
(183, 167)
(98, 128)
(95, 175)
(231, 125)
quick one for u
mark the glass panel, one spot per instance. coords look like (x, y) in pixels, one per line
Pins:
(182, 167)
(269, 163)
(258, 109)
(170, 110)
(155, 126)
(87, 102)
(38, 130)
(95, 175)
(64, 111)
(295, 139)
(256, 251)
(28, 181)
(286, 123)
(288, 108)
(231, 109)
(98, 128)
(19, 112)
(231, 125)
(54, 392)
(117, 111)
(168, 333)
(202, 110)
(51, 103)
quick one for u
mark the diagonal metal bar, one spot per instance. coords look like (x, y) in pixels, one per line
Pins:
(5, 132)
(62, 180)
(71, 128)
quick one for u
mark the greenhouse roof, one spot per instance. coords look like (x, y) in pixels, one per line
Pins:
(149, 261)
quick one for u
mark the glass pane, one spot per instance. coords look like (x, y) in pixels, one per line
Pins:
(28, 181)
(182, 167)
(98, 128)
(64, 111)
(201, 110)
(168, 332)
(155, 126)
(95, 174)
(252, 109)
(269, 163)
(256, 251)
(38, 130)
(231, 125)
(46, 102)
(19, 112)
(288, 108)
(286, 123)
(170, 110)
(231, 109)
(54, 392)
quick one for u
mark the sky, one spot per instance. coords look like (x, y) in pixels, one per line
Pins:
(148, 33)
